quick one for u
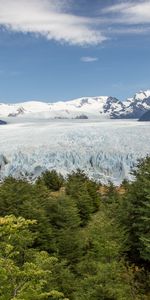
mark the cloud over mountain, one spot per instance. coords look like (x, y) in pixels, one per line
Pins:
(51, 19)
(131, 12)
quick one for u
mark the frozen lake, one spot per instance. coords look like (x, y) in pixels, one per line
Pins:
(105, 150)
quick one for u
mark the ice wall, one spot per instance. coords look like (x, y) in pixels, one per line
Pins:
(104, 150)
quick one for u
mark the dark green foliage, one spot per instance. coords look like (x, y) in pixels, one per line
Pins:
(74, 182)
(103, 273)
(87, 242)
(136, 216)
(111, 194)
(84, 204)
(20, 198)
(92, 188)
(63, 213)
(84, 192)
(52, 180)
(64, 218)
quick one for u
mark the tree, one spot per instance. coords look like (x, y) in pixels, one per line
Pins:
(65, 221)
(84, 192)
(104, 274)
(26, 279)
(20, 198)
(52, 180)
(136, 214)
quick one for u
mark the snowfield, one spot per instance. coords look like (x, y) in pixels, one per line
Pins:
(101, 107)
(105, 150)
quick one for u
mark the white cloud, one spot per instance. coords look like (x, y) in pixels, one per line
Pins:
(51, 19)
(129, 30)
(131, 12)
(89, 59)
(116, 7)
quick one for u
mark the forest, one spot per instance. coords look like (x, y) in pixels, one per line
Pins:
(75, 239)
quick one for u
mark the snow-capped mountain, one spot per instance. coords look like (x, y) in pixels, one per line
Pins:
(135, 107)
(86, 107)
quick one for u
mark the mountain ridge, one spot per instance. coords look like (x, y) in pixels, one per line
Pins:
(89, 107)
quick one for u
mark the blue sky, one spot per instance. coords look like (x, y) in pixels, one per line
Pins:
(63, 49)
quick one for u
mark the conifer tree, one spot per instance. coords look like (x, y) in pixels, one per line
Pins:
(136, 213)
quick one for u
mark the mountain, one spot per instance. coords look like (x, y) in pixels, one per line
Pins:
(85, 107)
(135, 107)
(145, 117)
(2, 122)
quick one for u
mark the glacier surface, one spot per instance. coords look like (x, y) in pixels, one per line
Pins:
(105, 150)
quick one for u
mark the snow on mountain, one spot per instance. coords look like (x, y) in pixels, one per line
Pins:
(23, 108)
(88, 107)
(91, 106)
(135, 107)
(142, 95)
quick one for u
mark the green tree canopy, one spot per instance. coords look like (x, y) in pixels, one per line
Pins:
(23, 280)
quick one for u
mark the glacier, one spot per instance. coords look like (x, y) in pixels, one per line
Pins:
(106, 150)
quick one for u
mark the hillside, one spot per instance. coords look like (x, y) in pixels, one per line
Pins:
(145, 116)
(2, 122)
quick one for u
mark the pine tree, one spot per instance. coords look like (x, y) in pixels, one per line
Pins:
(52, 180)
(136, 214)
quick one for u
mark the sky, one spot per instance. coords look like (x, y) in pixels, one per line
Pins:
(53, 50)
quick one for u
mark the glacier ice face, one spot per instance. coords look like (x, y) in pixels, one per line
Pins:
(105, 150)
